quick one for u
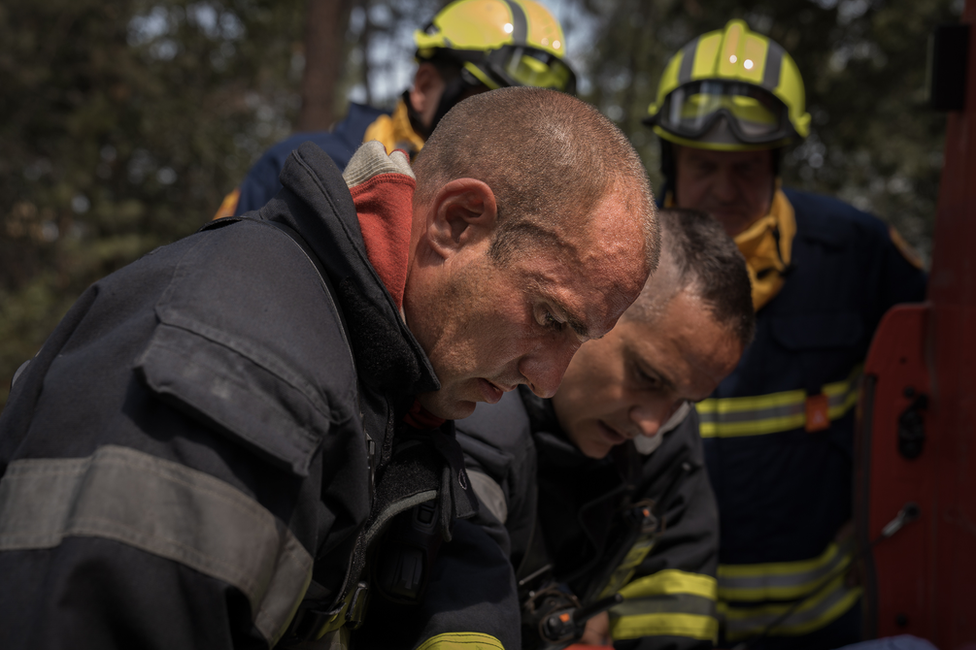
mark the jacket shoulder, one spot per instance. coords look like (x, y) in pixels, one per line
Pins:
(340, 144)
(834, 222)
(496, 435)
(249, 340)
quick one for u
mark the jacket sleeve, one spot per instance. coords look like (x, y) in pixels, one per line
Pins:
(471, 598)
(670, 602)
(163, 489)
(471, 601)
(124, 548)
(473, 587)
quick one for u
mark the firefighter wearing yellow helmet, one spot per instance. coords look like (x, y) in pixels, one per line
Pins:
(778, 431)
(469, 47)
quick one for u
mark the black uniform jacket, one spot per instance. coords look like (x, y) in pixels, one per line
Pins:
(525, 470)
(194, 443)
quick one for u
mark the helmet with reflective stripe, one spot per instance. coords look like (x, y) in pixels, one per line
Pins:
(500, 43)
(730, 90)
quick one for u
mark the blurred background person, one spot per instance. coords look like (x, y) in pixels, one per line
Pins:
(469, 47)
(779, 430)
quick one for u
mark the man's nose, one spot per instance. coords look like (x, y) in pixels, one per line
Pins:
(649, 416)
(544, 368)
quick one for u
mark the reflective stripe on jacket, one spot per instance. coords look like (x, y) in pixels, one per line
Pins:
(670, 594)
(729, 417)
(795, 597)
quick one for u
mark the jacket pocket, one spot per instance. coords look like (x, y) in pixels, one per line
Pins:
(224, 388)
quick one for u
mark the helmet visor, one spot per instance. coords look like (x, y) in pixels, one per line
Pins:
(526, 66)
(517, 65)
(754, 115)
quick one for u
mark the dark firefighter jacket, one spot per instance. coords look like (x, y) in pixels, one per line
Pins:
(209, 431)
(261, 183)
(525, 470)
(784, 491)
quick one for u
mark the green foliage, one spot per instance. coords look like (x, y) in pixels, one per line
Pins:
(122, 125)
(873, 141)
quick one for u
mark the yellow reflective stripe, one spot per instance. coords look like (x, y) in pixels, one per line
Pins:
(671, 581)
(731, 417)
(815, 613)
(706, 56)
(625, 570)
(780, 580)
(664, 624)
(466, 640)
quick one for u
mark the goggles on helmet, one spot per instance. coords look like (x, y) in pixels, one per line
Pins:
(518, 65)
(754, 115)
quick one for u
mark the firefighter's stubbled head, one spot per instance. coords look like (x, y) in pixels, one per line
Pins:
(683, 335)
(530, 237)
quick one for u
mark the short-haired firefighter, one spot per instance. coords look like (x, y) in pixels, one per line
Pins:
(469, 47)
(602, 488)
(778, 431)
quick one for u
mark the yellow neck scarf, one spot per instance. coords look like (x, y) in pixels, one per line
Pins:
(394, 131)
(767, 246)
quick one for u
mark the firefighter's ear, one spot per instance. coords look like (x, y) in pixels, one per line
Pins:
(463, 213)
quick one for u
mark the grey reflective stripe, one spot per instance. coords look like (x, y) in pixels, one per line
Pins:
(670, 603)
(687, 61)
(162, 508)
(774, 63)
(740, 621)
(756, 414)
(490, 494)
(520, 24)
(19, 372)
(761, 580)
(796, 406)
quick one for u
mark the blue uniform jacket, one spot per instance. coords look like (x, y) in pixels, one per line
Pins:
(261, 183)
(784, 492)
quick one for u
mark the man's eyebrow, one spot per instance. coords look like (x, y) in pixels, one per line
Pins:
(574, 321)
(667, 381)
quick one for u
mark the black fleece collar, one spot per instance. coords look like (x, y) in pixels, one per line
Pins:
(316, 203)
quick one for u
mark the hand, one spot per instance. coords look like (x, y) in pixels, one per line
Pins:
(597, 632)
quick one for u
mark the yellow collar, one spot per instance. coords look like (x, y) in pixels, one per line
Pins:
(767, 246)
(395, 132)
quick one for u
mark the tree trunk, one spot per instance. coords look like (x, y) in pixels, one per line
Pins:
(326, 22)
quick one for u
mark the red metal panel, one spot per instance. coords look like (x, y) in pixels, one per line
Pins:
(900, 578)
(922, 580)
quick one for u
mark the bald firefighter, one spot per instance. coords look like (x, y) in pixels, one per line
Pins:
(469, 47)
(778, 431)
